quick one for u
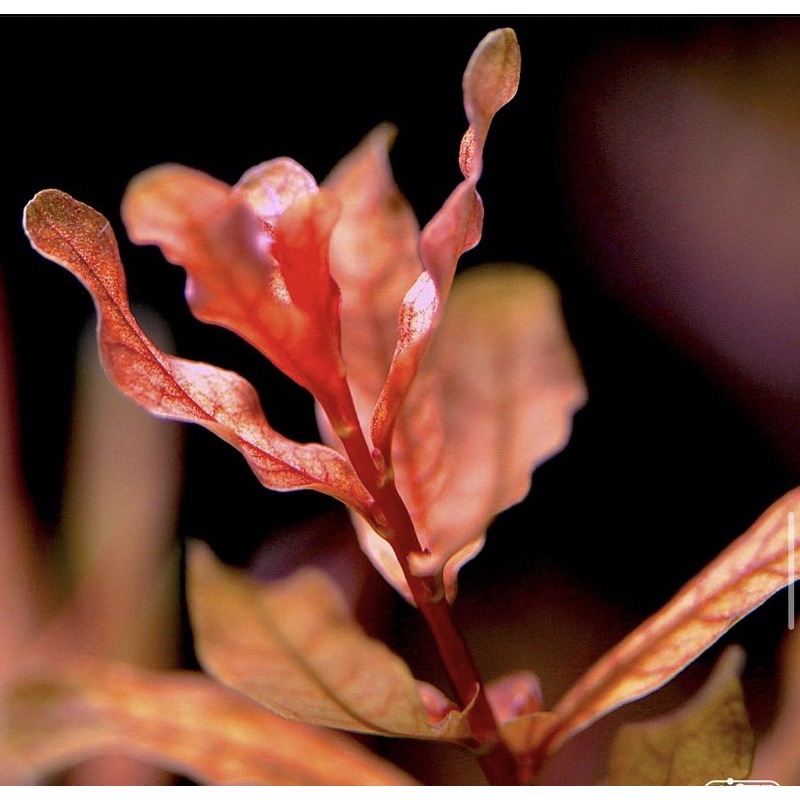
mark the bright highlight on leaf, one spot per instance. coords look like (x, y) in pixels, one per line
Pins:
(255, 256)
(292, 646)
(709, 737)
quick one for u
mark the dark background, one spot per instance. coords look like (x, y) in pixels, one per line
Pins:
(667, 464)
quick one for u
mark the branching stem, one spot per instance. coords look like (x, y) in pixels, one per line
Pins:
(496, 760)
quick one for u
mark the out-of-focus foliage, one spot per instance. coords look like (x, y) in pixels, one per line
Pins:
(708, 736)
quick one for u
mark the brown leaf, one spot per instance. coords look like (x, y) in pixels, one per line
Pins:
(292, 646)
(739, 580)
(183, 722)
(709, 738)
(79, 239)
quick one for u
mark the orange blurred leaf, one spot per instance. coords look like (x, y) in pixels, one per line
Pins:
(25, 579)
(183, 722)
(117, 536)
(292, 646)
(739, 580)
(80, 239)
(778, 752)
(121, 496)
(706, 739)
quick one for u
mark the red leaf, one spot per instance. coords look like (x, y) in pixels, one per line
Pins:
(255, 257)
(81, 240)
(490, 81)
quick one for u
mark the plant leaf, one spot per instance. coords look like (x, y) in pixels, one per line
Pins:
(183, 722)
(739, 580)
(708, 738)
(374, 260)
(494, 399)
(490, 81)
(267, 284)
(80, 239)
(295, 649)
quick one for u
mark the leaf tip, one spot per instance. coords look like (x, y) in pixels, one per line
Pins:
(42, 204)
(497, 60)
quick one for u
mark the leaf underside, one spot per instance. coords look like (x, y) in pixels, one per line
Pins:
(295, 649)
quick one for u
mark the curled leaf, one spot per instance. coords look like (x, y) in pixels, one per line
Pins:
(80, 239)
(269, 285)
(739, 580)
(295, 649)
(490, 81)
(706, 739)
(183, 722)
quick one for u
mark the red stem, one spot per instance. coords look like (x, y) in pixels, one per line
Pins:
(496, 760)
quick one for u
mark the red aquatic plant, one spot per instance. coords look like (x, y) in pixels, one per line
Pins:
(436, 398)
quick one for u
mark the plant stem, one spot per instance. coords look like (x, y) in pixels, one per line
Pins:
(496, 760)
